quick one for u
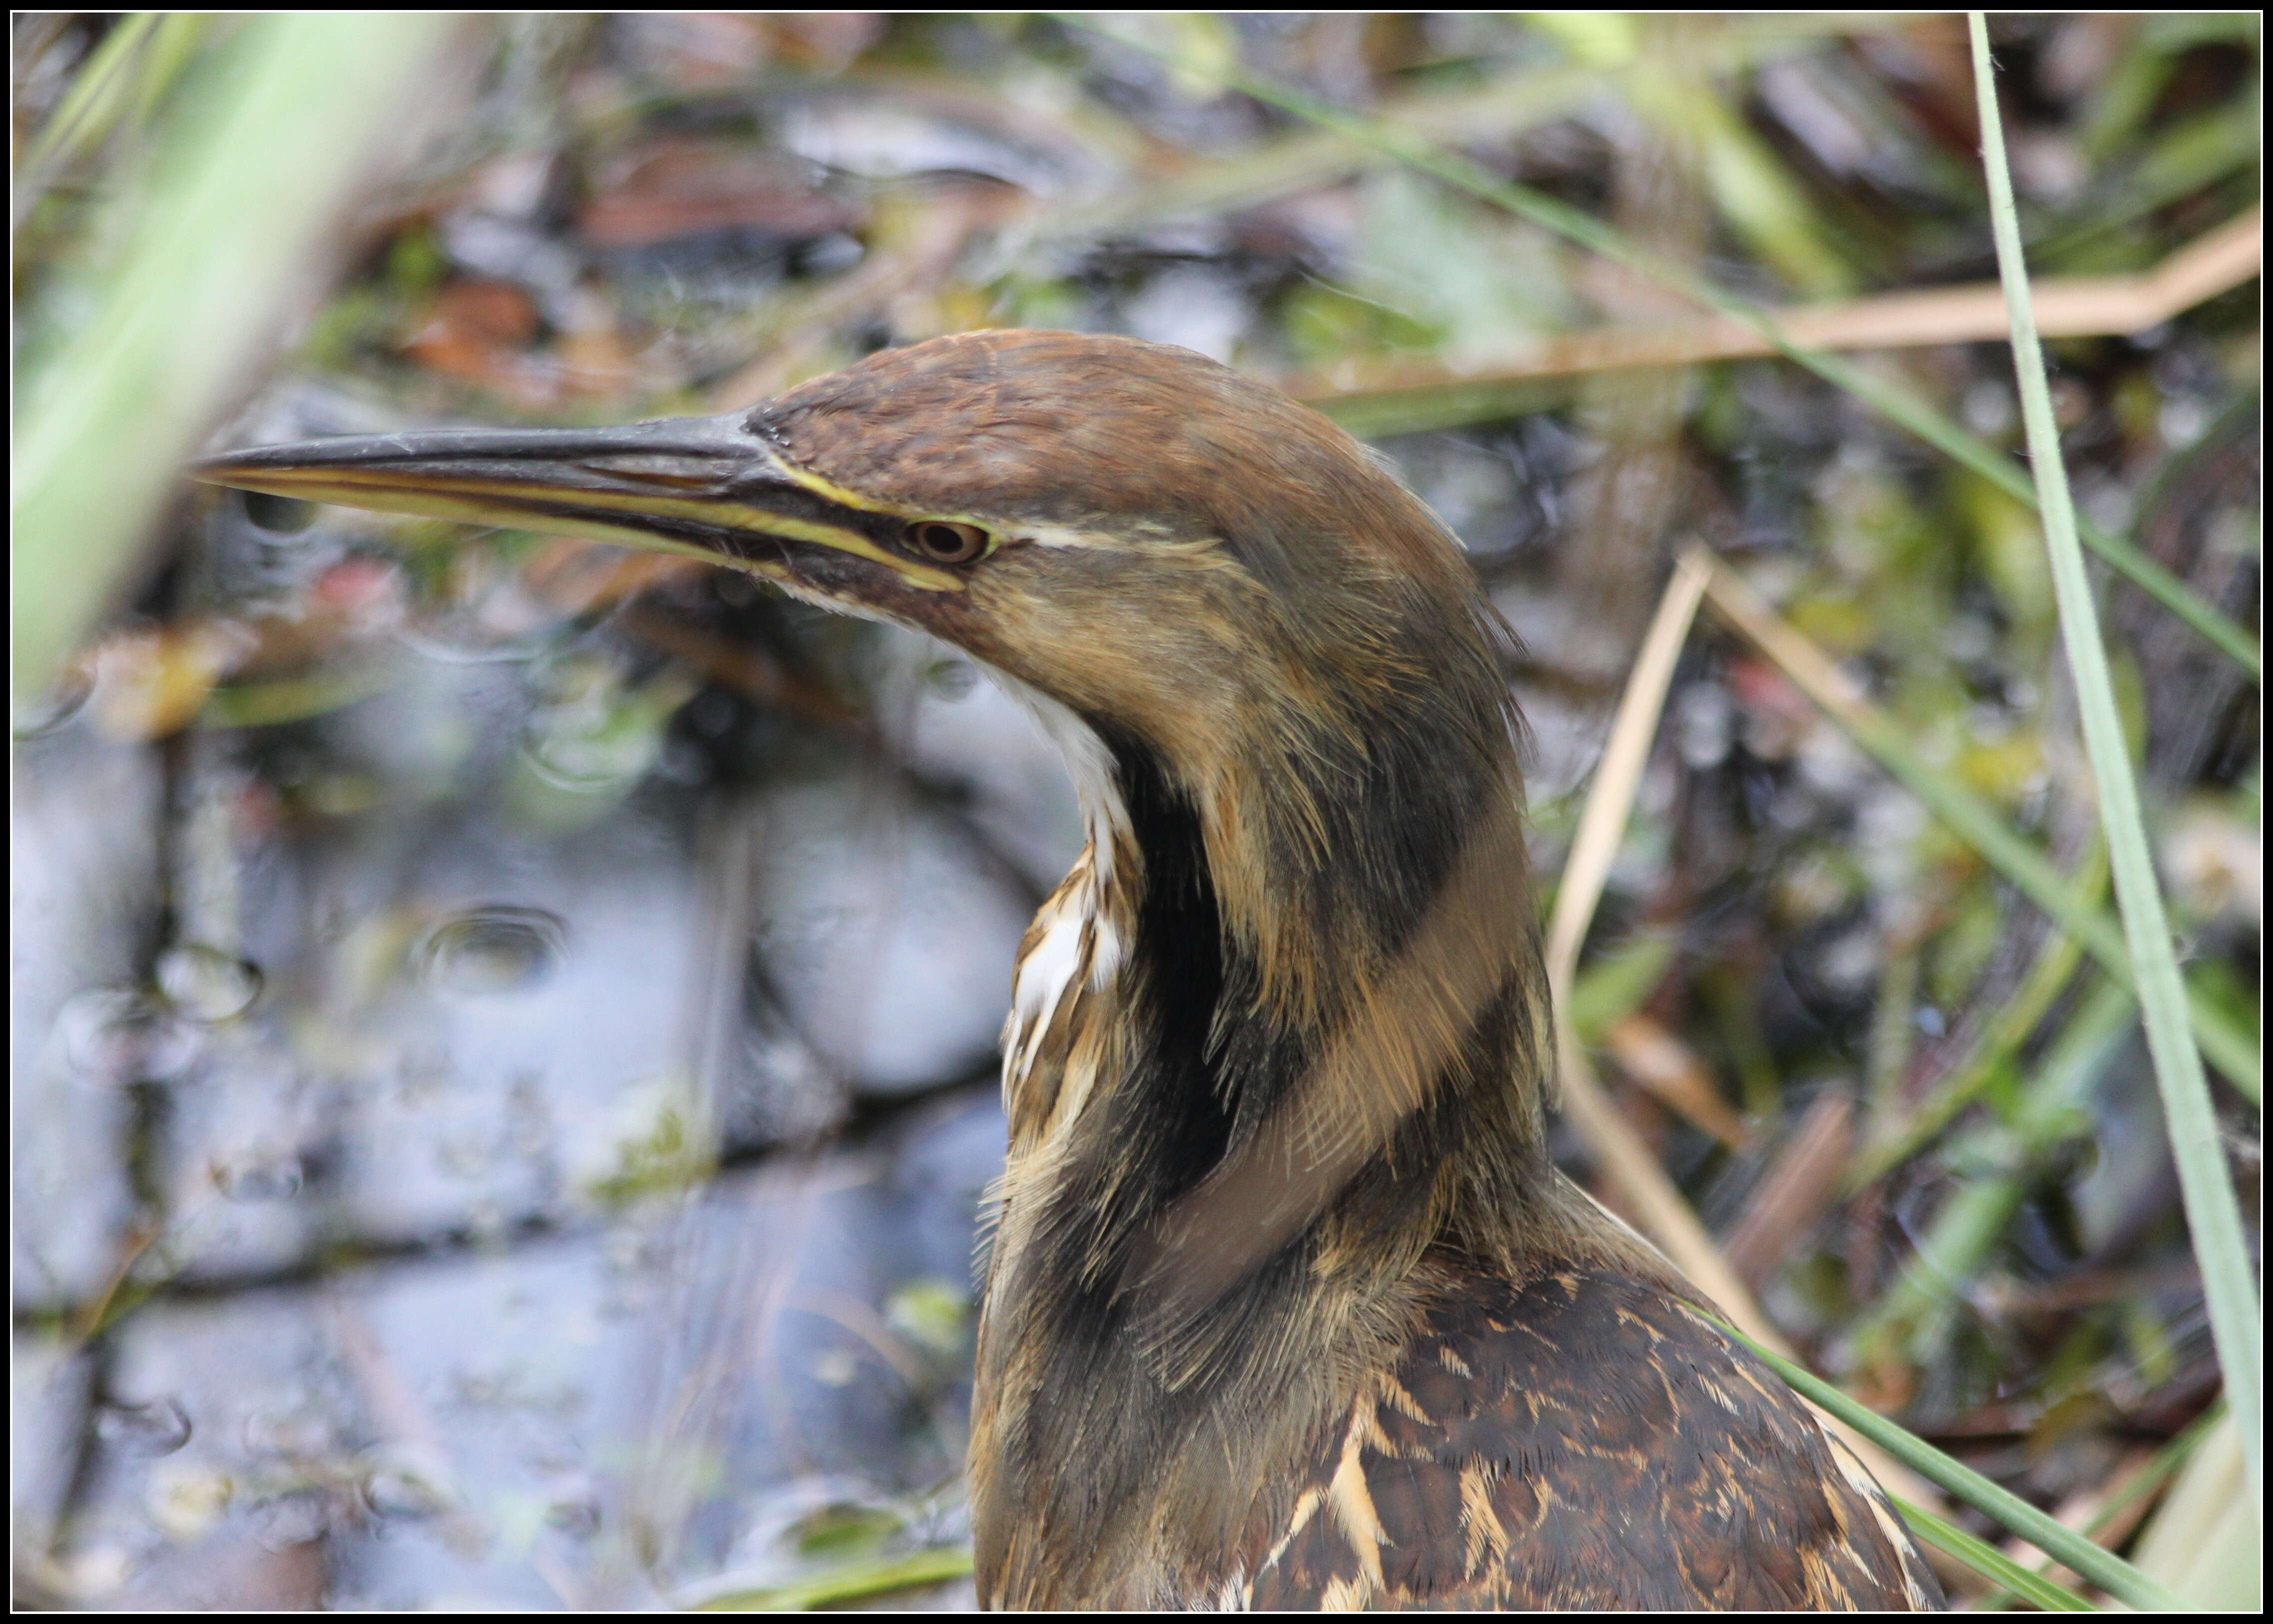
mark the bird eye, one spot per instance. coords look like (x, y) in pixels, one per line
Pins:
(943, 542)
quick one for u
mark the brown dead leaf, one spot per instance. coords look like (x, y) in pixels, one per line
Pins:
(677, 187)
(1795, 1192)
(474, 329)
(1663, 1064)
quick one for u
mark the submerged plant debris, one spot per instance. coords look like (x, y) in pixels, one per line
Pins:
(505, 1029)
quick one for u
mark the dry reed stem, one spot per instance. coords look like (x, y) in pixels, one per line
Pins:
(1669, 1071)
(1632, 1171)
(2067, 307)
(1625, 1161)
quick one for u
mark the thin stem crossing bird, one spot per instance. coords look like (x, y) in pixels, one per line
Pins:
(1287, 1305)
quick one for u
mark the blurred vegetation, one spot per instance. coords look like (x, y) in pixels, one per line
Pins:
(1920, 1121)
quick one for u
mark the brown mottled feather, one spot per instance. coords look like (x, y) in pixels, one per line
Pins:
(1583, 1439)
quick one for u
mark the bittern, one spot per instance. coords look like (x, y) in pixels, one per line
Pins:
(1287, 1305)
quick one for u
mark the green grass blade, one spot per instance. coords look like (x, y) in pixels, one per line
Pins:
(849, 1585)
(2213, 1213)
(95, 101)
(2055, 963)
(1992, 464)
(2167, 1462)
(2204, 1540)
(1987, 1559)
(253, 175)
(1580, 228)
(1977, 1212)
(2103, 1567)
(2150, 1480)
(2028, 868)
(1975, 819)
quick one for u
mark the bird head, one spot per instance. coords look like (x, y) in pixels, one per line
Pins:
(1170, 560)
(1310, 1013)
(1132, 529)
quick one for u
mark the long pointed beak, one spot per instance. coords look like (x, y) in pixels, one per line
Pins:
(705, 487)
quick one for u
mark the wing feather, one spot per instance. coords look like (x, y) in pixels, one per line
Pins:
(1583, 1439)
